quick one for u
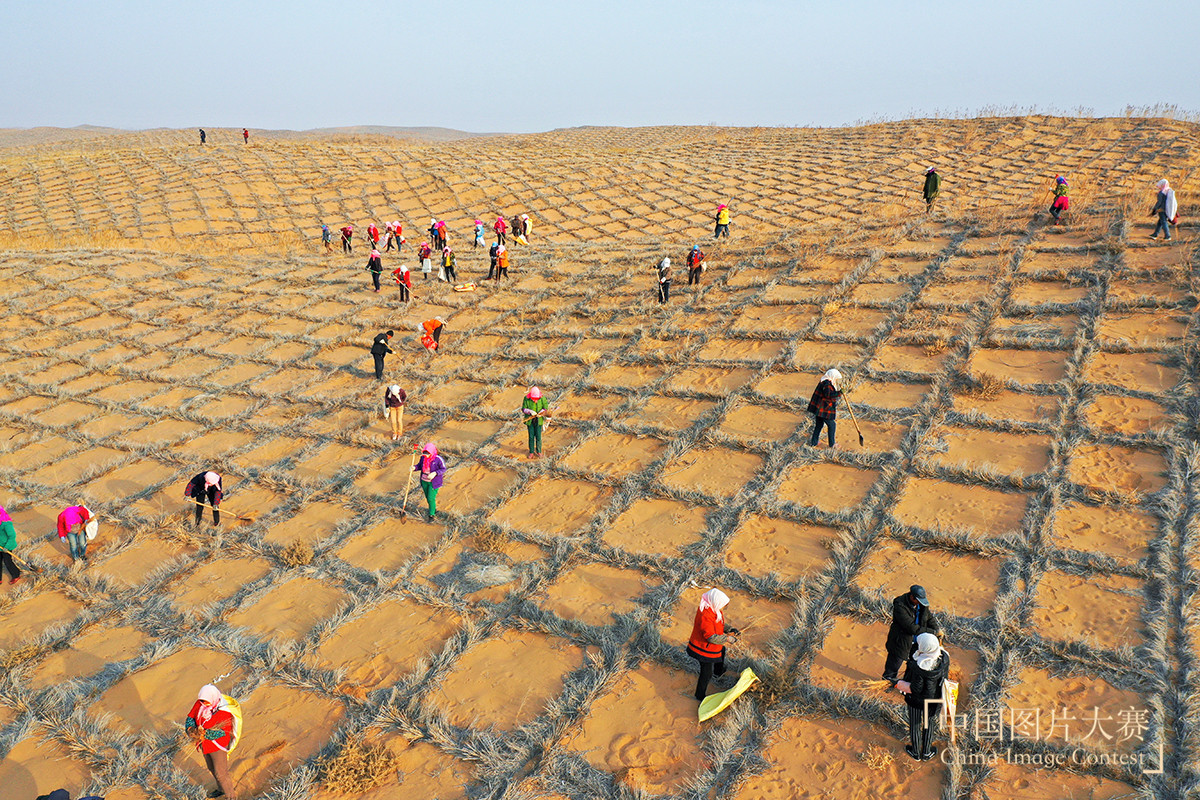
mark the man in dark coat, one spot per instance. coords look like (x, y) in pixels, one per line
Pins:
(911, 616)
(933, 186)
(379, 349)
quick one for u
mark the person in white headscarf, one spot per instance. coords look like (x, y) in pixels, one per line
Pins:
(1166, 208)
(664, 280)
(205, 491)
(213, 729)
(924, 673)
(710, 632)
(823, 406)
(394, 399)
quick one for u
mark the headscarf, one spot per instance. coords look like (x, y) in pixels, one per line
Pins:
(534, 393)
(430, 448)
(211, 479)
(722, 206)
(931, 169)
(834, 377)
(501, 249)
(929, 650)
(395, 390)
(396, 225)
(375, 253)
(213, 701)
(524, 216)
(714, 599)
(665, 263)
(1060, 179)
(4, 517)
(445, 249)
(1163, 185)
(478, 222)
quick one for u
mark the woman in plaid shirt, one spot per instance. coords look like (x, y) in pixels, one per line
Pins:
(823, 405)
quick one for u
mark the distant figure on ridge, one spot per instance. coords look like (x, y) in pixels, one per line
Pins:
(1061, 201)
(1167, 209)
(245, 136)
(722, 228)
(933, 185)
(203, 136)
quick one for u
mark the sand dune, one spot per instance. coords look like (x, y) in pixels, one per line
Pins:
(1019, 390)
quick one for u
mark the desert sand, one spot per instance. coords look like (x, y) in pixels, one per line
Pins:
(1025, 394)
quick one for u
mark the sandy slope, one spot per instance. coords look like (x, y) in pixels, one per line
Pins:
(1019, 390)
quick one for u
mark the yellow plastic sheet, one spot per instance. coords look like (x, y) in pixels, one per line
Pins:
(716, 703)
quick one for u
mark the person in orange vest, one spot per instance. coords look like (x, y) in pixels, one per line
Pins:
(212, 729)
(710, 632)
(432, 336)
(501, 262)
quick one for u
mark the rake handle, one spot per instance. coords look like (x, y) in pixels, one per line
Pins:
(218, 508)
(850, 408)
(20, 561)
(408, 483)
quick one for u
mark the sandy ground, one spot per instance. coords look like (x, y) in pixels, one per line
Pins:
(1023, 395)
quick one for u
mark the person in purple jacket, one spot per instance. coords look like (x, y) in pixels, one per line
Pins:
(432, 469)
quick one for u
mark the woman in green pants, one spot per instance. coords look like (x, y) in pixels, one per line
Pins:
(432, 469)
(533, 408)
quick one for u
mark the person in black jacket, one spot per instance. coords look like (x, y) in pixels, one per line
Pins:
(375, 265)
(922, 690)
(931, 189)
(379, 349)
(911, 616)
(205, 488)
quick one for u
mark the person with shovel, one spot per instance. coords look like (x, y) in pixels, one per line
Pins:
(375, 267)
(911, 617)
(432, 469)
(347, 235)
(327, 238)
(73, 525)
(394, 399)
(710, 632)
(924, 674)
(403, 277)
(533, 409)
(823, 406)
(205, 490)
(213, 728)
(501, 229)
(931, 189)
(8, 544)
(379, 349)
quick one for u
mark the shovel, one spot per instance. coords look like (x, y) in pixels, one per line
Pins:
(242, 517)
(22, 563)
(408, 485)
(850, 408)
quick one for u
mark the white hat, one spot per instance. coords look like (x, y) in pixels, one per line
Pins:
(394, 388)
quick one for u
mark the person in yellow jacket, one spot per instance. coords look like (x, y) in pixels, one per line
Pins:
(722, 228)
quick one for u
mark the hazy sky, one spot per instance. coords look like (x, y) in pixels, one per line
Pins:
(528, 66)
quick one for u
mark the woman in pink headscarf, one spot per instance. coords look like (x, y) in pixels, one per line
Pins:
(205, 490)
(534, 409)
(72, 526)
(214, 730)
(709, 635)
(432, 469)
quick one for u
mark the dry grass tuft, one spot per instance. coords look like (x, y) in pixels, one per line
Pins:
(297, 554)
(877, 757)
(771, 687)
(359, 766)
(14, 658)
(589, 356)
(492, 540)
(937, 346)
(984, 387)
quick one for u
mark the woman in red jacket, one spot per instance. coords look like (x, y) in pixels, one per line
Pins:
(211, 726)
(709, 634)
